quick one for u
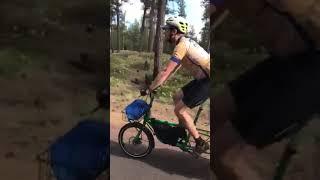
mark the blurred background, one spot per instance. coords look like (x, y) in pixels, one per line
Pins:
(53, 59)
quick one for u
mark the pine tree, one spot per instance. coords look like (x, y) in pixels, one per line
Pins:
(181, 8)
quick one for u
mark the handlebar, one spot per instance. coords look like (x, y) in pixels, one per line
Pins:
(143, 92)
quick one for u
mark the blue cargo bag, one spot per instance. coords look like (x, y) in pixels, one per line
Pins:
(136, 109)
(82, 153)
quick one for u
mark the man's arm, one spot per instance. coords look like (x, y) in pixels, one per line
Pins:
(164, 75)
(175, 62)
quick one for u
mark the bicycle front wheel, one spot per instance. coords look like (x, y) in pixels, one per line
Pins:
(136, 140)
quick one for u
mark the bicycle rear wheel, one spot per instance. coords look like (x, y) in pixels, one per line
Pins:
(132, 137)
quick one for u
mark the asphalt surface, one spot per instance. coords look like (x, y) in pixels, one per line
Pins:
(164, 162)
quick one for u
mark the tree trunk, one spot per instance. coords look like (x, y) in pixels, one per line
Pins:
(142, 29)
(151, 24)
(122, 30)
(159, 37)
(122, 41)
(161, 17)
(111, 40)
(118, 26)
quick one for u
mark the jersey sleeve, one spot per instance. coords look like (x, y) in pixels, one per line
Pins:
(179, 52)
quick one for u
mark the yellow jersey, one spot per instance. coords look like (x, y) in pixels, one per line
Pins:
(193, 57)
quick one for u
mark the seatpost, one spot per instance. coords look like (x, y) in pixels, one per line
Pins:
(198, 113)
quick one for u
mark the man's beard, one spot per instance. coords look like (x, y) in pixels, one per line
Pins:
(169, 40)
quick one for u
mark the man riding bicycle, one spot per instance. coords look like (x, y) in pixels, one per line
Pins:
(196, 60)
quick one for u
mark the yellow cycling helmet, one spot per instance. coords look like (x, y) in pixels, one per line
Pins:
(178, 22)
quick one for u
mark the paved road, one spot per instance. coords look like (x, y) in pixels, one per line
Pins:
(164, 162)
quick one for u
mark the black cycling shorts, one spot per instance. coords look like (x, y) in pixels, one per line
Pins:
(275, 97)
(196, 92)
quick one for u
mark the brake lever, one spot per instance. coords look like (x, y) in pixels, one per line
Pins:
(143, 92)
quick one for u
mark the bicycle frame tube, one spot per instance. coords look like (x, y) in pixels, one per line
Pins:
(198, 114)
(195, 119)
(151, 99)
(146, 121)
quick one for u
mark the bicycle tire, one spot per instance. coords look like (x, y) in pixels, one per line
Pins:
(145, 130)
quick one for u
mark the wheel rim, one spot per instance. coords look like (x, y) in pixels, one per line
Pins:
(133, 144)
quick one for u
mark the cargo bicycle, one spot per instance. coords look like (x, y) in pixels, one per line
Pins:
(136, 145)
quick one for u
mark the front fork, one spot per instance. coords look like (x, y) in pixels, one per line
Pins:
(137, 137)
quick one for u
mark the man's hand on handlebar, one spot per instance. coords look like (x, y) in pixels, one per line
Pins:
(144, 92)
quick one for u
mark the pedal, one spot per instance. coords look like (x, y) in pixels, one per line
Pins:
(194, 154)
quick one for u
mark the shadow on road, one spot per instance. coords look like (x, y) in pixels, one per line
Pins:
(170, 161)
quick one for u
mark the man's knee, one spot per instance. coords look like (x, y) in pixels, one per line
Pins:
(178, 111)
(224, 168)
(227, 164)
(232, 155)
(235, 164)
(177, 97)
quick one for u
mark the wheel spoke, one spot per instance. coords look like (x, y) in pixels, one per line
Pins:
(136, 143)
